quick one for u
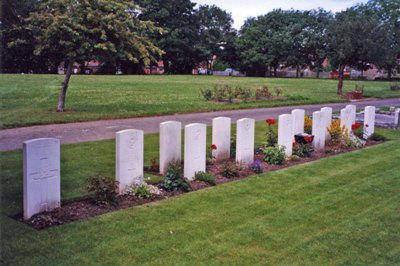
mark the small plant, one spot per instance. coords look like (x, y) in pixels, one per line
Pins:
(339, 134)
(210, 157)
(271, 136)
(104, 189)
(258, 94)
(229, 93)
(377, 137)
(265, 91)
(278, 91)
(143, 191)
(246, 94)
(174, 179)
(233, 146)
(230, 170)
(205, 177)
(274, 155)
(302, 149)
(359, 88)
(219, 93)
(207, 94)
(294, 158)
(154, 166)
(256, 167)
(308, 125)
(395, 87)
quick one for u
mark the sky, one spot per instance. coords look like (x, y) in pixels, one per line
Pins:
(242, 9)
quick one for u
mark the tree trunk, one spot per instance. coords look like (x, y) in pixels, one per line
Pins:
(275, 71)
(389, 73)
(318, 70)
(64, 87)
(297, 71)
(340, 84)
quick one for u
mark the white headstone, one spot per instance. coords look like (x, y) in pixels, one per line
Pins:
(195, 149)
(41, 176)
(345, 118)
(318, 130)
(298, 121)
(369, 120)
(352, 112)
(170, 144)
(327, 117)
(221, 137)
(129, 158)
(285, 130)
(396, 118)
(245, 140)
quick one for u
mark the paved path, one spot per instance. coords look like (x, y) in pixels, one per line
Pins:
(12, 139)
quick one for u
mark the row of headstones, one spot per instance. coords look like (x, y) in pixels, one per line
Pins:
(42, 156)
(129, 148)
(292, 124)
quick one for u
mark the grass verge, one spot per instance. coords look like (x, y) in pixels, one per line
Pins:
(339, 210)
(32, 99)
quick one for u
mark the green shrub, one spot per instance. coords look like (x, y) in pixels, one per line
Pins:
(294, 158)
(302, 150)
(205, 177)
(104, 189)
(174, 179)
(143, 191)
(377, 137)
(274, 155)
(207, 94)
(230, 170)
(278, 91)
(233, 146)
(395, 86)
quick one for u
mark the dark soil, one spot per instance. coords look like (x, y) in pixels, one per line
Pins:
(85, 208)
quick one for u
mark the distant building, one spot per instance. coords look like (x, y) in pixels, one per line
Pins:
(89, 67)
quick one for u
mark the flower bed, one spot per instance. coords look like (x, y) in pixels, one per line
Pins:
(84, 208)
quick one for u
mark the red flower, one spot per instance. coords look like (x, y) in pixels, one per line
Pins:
(270, 121)
(308, 138)
(213, 146)
(366, 125)
(355, 126)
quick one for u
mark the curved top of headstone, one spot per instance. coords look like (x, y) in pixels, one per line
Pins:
(31, 141)
(284, 116)
(221, 118)
(245, 119)
(196, 125)
(129, 131)
(171, 123)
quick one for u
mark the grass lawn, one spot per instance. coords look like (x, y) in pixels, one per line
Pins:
(32, 99)
(339, 210)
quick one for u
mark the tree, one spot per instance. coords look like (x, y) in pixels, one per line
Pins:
(352, 38)
(180, 36)
(84, 29)
(216, 35)
(388, 13)
(17, 42)
(314, 37)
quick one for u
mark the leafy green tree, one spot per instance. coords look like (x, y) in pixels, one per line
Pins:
(85, 29)
(352, 38)
(180, 36)
(216, 35)
(17, 42)
(314, 37)
(388, 13)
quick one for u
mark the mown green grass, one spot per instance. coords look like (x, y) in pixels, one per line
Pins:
(32, 99)
(340, 210)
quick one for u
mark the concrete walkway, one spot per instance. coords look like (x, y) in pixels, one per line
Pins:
(12, 139)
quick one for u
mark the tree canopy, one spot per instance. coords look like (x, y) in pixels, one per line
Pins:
(82, 30)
